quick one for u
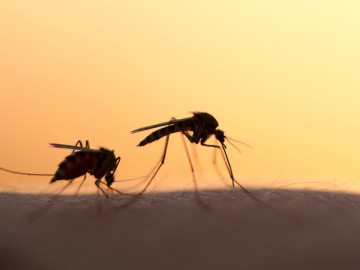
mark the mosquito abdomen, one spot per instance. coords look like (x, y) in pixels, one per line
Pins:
(158, 134)
(74, 165)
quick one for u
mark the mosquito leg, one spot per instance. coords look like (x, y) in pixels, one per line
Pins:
(217, 167)
(162, 160)
(97, 183)
(65, 187)
(117, 161)
(196, 190)
(24, 173)
(82, 182)
(196, 160)
(79, 142)
(188, 136)
(41, 211)
(98, 206)
(228, 166)
(138, 195)
(193, 142)
(214, 159)
(119, 192)
(214, 156)
(137, 184)
(210, 145)
(113, 189)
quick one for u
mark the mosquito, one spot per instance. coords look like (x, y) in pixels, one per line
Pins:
(202, 125)
(97, 162)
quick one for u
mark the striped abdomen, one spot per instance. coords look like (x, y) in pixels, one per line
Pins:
(75, 165)
(158, 134)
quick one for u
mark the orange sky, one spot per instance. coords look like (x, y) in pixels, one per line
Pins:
(279, 75)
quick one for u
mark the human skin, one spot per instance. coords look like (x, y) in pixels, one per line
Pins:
(287, 229)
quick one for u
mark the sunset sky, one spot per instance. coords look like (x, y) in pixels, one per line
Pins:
(282, 76)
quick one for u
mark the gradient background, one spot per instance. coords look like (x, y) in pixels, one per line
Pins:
(282, 76)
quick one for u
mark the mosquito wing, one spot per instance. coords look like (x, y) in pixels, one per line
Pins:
(66, 146)
(171, 122)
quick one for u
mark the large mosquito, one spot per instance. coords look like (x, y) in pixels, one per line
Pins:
(202, 125)
(97, 162)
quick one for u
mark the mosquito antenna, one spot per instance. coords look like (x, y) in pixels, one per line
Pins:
(25, 173)
(248, 145)
(234, 145)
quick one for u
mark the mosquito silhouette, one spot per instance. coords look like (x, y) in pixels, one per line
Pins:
(97, 162)
(202, 125)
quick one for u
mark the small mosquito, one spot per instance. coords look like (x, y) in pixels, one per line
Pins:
(202, 125)
(97, 162)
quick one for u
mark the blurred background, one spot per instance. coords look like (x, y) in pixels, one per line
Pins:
(279, 75)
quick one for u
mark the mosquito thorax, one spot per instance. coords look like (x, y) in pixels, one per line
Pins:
(207, 118)
(107, 155)
(105, 163)
(220, 136)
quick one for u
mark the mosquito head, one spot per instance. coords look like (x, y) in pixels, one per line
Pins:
(220, 136)
(109, 178)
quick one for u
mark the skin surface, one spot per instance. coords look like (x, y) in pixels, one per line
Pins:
(295, 229)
